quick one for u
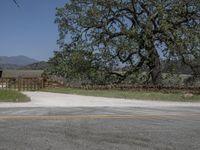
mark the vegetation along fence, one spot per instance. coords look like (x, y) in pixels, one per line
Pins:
(153, 88)
(22, 84)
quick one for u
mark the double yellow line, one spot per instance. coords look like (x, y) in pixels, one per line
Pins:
(69, 117)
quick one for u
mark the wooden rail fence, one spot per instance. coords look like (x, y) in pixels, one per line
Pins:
(22, 84)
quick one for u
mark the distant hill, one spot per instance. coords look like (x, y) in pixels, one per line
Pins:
(36, 66)
(9, 66)
(16, 61)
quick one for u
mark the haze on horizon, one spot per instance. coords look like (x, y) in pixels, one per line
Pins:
(29, 30)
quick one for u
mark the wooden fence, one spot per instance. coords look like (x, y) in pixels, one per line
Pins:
(22, 84)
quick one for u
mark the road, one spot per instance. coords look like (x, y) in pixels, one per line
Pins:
(100, 128)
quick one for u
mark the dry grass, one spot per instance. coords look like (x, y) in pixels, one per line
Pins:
(140, 95)
(22, 73)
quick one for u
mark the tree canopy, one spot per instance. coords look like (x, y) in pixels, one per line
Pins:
(131, 35)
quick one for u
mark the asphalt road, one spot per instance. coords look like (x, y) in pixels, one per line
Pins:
(100, 128)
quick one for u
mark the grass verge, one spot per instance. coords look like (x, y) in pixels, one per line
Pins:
(12, 96)
(140, 95)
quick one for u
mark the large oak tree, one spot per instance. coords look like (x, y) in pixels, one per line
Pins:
(132, 34)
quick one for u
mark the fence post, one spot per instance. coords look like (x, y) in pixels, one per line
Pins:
(19, 84)
(44, 82)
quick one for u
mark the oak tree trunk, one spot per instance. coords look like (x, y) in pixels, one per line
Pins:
(155, 68)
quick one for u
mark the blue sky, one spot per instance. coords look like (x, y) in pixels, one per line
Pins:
(30, 29)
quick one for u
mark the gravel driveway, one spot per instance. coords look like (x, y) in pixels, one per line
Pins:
(45, 99)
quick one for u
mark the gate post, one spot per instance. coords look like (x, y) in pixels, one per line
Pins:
(19, 84)
(1, 73)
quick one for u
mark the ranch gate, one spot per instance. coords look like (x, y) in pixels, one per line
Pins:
(22, 84)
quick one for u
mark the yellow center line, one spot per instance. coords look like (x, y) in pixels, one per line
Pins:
(66, 117)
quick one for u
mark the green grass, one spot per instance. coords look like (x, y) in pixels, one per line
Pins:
(140, 95)
(12, 96)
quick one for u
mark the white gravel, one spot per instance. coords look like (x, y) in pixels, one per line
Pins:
(45, 99)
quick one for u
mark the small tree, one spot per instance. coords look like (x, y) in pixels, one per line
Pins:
(16, 3)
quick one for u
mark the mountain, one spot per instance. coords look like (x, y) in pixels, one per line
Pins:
(16, 61)
(42, 65)
(9, 66)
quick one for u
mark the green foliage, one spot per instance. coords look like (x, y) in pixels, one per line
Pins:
(71, 64)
